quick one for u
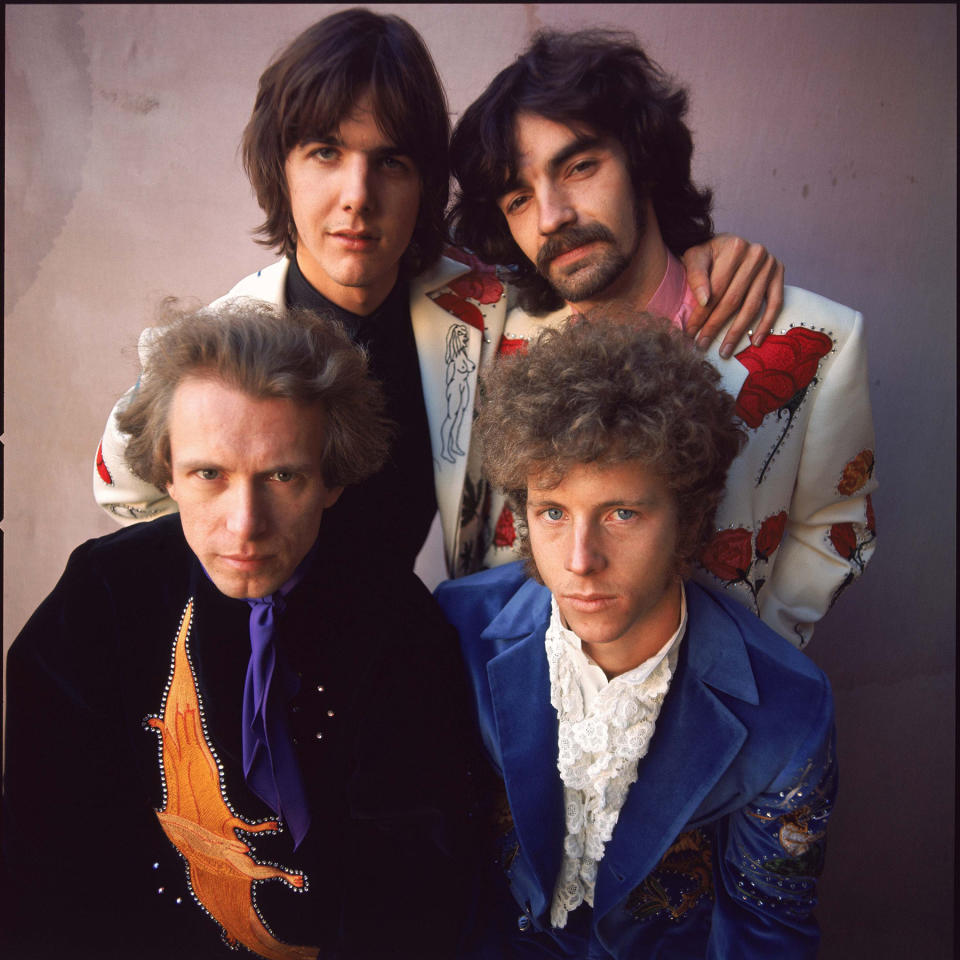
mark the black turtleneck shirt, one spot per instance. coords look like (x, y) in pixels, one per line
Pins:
(390, 513)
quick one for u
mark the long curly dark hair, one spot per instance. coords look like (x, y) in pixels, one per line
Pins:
(598, 80)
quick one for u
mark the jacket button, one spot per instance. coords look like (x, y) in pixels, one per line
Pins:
(523, 923)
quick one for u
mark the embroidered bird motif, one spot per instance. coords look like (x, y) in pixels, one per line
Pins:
(199, 823)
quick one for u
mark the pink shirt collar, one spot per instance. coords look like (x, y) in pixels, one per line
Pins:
(673, 298)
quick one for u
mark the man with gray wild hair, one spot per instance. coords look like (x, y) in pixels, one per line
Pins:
(216, 730)
(662, 761)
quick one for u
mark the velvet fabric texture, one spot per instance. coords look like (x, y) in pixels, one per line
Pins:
(718, 845)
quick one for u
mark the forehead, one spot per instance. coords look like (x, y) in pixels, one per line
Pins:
(211, 420)
(599, 482)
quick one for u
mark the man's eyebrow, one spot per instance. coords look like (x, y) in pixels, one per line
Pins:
(581, 142)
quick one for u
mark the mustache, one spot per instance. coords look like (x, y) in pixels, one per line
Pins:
(569, 239)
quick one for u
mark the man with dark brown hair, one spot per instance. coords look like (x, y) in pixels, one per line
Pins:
(575, 166)
(347, 151)
(664, 760)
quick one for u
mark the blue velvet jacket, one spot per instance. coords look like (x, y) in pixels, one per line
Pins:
(718, 845)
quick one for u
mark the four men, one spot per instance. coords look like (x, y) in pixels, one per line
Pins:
(290, 713)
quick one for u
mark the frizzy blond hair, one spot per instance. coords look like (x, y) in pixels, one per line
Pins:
(603, 389)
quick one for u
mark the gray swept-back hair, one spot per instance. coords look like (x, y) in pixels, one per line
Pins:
(254, 347)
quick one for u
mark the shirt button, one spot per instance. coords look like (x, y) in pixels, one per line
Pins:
(523, 923)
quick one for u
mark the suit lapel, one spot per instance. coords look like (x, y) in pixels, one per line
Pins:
(452, 347)
(527, 733)
(696, 739)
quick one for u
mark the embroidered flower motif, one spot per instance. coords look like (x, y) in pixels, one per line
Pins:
(781, 370)
(510, 345)
(770, 534)
(102, 467)
(856, 473)
(850, 540)
(729, 555)
(460, 308)
(480, 284)
(844, 540)
(505, 533)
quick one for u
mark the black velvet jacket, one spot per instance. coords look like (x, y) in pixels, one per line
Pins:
(382, 735)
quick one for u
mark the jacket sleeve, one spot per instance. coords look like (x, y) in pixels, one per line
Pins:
(122, 494)
(830, 533)
(771, 852)
(70, 789)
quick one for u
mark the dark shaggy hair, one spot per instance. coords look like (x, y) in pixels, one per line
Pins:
(252, 346)
(312, 85)
(594, 80)
(605, 389)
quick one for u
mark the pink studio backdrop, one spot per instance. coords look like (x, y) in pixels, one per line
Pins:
(828, 133)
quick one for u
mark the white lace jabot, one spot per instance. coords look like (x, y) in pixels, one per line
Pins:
(605, 728)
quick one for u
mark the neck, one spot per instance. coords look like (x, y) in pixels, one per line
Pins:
(359, 300)
(635, 287)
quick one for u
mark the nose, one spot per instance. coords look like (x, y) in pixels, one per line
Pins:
(584, 553)
(355, 188)
(555, 209)
(246, 514)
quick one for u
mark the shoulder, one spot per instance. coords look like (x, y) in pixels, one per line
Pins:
(801, 308)
(157, 543)
(481, 596)
(787, 680)
(266, 284)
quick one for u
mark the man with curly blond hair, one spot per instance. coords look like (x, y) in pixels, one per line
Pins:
(663, 759)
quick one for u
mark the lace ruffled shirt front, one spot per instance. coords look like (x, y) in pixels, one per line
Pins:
(605, 729)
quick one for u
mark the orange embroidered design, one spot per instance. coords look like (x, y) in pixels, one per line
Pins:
(200, 823)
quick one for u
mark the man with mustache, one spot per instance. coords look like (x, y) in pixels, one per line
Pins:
(574, 165)
(663, 761)
(220, 734)
(347, 151)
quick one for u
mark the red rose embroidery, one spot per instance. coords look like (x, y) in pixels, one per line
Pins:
(505, 533)
(871, 520)
(856, 473)
(770, 534)
(510, 345)
(484, 288)
(844, 540)
(460, 308)
(102, 467)
(481, 283)
(781, 369)
(729, 554)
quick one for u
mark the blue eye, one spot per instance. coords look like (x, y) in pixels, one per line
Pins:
(553, 513)
(624, 514)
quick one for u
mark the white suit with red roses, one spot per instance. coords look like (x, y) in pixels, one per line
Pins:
(796, 524)
(457, 311)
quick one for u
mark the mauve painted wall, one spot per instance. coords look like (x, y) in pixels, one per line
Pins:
(828, 133)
